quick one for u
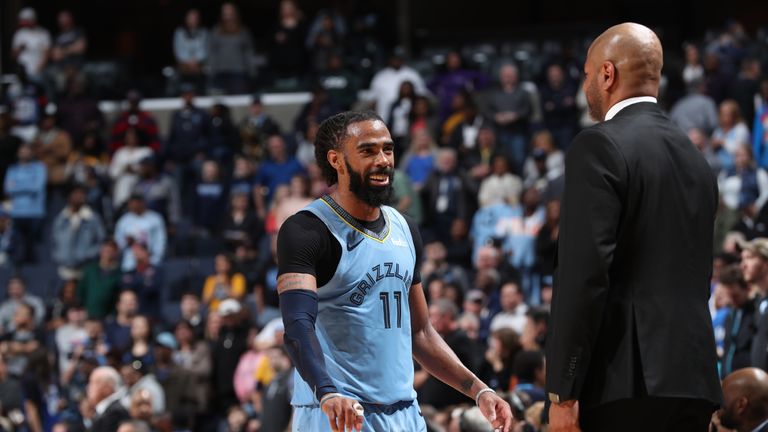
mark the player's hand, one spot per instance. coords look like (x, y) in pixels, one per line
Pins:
(496, 410)
(344, 414)
(564, 417)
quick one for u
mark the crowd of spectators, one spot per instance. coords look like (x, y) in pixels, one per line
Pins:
(480, 165)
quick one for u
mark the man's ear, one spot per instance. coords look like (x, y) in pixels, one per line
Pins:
(607, 75)
(336, 159)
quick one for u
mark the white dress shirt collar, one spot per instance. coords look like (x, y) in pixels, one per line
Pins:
(761, 426)
(618, 106)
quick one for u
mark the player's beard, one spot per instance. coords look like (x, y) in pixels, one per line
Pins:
(594, 100)
(374, 196)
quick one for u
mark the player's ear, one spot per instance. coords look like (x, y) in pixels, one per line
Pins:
(335, 159)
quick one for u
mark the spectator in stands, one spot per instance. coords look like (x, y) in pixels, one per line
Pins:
(227, 347)
(546, 239)
(142, 121)
(142, 224)
(463, 103)
(103, 410)
(745, 87)
(255, 128)
(419, 161)
(745, 401)
(319, 108)
(478, 156)
(558, 100)
(510, 108)
(719, 160)
(546, 162)
(71, 334)
(534, 336)
(385, 85)
(744, 188)
(53, 146)
(528, 368)
(118, 328)
(422, 117)
(77, 235)
(276, 395)
(9, 241)
(210, 198)
(78, 112)
(287, 55)
(224, 284)
(224, 139)
(276, 171)
(513, 309)
(340, 82)
(693, 70)
(496, 369)
(140, 406)
(141, 345)
(68, 51)
(188, 138)
(754, 267)
(30, 44)
(160, 191)
(194, 358)
(25, 338)
(696, 110)
(145, 279)
(27, 102)
(14, 404)
(190, 48)
(405, 198)
(192, 313)
(443, 315)
(731, 132)
(325, 38)
(240, 225)
(447, 194)
(98, 288)
(9, 143)
(501, 185)
(436, 267)
(519, 232)
(230, 53)
(17, 295)
(399, 117)
(25, 187)
(124, 168)
(760, 129)
(454, 79)
(142, 383)
(740, 324)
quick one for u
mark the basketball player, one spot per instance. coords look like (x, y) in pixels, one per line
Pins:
(351, 297)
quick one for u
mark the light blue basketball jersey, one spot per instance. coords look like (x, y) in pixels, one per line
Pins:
(364, 321)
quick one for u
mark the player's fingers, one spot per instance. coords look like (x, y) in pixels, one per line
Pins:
(359, 423)
(349, 418)
(332, 421)
(507, 416)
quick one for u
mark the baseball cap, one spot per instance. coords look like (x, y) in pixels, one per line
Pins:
(475, 296)
(229, 307)
(167, 340)
(758, 246)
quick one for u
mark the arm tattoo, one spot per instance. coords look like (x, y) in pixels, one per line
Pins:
(466, 385)
(291, 282)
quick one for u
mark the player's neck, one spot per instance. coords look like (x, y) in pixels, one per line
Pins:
(354, 206)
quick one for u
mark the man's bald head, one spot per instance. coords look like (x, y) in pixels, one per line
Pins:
(624, 61)
(745, 393)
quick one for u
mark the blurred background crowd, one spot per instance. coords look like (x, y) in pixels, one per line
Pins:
(137, 264)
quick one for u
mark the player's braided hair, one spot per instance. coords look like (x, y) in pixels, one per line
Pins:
(331, 133)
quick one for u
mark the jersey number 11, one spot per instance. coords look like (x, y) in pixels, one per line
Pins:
(384, 296)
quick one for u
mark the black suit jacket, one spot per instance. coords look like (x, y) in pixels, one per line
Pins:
(110, 419)
(629, 313)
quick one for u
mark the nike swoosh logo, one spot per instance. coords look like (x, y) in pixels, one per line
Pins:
(350, 247)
